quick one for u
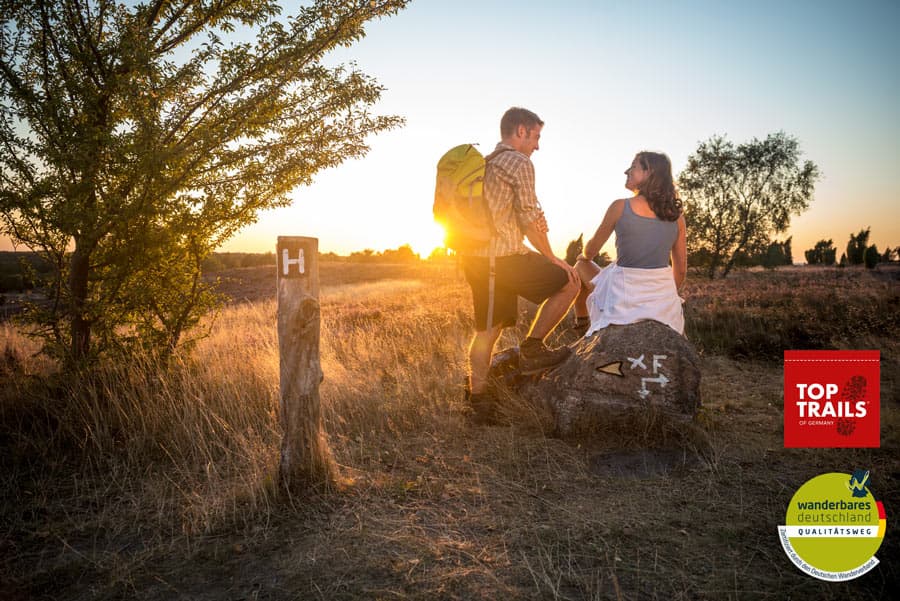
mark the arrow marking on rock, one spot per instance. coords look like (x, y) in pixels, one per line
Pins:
(662, 380)
(614, 368)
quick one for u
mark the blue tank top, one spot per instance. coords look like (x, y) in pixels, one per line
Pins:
(643, 242)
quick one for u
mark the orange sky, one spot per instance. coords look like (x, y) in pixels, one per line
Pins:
(828, 75)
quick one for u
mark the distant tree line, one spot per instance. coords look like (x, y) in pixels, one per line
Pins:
(858, 252)
(403, 254)
(221, 261)
(778, 253)
(20, 271)
(768, 254)
(236, 260)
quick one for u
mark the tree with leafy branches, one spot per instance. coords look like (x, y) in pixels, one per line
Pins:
(822, 253)
(736, 196)
(857, 245)
(872, 257)
(137, 138)
(777, 254)
(573, 249)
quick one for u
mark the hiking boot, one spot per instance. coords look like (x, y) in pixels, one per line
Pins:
(535, 357)
(481, 408)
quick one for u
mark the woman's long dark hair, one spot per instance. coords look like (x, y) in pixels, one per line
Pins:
(659, 187)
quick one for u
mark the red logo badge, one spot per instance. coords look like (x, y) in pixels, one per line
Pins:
(831, 399)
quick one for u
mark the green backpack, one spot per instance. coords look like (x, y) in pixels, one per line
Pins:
(462, 210)
(459, 203)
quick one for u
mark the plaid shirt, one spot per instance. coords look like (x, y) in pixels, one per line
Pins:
(509, 190)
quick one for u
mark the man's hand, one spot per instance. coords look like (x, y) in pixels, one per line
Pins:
(536, 232)
(570, 271)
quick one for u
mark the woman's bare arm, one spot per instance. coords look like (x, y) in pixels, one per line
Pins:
(613, 213)
(679, 254)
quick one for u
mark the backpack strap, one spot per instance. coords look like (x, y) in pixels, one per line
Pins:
(497, 153)
(492, 259)
(487, 204)
(492, 275)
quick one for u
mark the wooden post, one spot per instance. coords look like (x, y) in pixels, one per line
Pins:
(305, 457)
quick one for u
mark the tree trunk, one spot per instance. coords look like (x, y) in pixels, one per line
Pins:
(78, 289)
(728, 267)
(730, 264)
(305, 457)
(713, 265)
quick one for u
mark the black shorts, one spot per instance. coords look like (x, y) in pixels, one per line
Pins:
(531, 276)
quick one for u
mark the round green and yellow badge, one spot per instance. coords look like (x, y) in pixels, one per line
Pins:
(834, 526)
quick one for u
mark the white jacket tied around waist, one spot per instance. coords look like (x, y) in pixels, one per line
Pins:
(624, 295)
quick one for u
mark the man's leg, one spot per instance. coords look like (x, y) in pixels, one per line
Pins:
(534, 355)
(536, 278)
(480, 352)
(551, 312)
(486, 335)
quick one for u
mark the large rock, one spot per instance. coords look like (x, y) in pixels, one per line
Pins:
(620, 370)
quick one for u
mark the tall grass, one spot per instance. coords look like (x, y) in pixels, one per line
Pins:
(203, 430)
(188, 452)
(757, 315)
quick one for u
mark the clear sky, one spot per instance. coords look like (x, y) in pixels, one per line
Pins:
(610, 79)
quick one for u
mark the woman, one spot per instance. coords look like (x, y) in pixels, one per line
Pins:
(650, 229)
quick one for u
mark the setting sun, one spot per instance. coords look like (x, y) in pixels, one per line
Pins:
(426, 239)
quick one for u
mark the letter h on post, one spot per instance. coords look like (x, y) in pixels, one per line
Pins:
(287, 261)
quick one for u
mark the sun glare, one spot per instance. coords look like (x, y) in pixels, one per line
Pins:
(426, 239)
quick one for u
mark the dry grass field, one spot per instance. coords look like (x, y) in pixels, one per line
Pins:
(159, 484)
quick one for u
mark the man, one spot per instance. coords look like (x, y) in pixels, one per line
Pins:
(541, 278)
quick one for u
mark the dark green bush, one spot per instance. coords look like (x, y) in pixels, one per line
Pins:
(872, 257)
